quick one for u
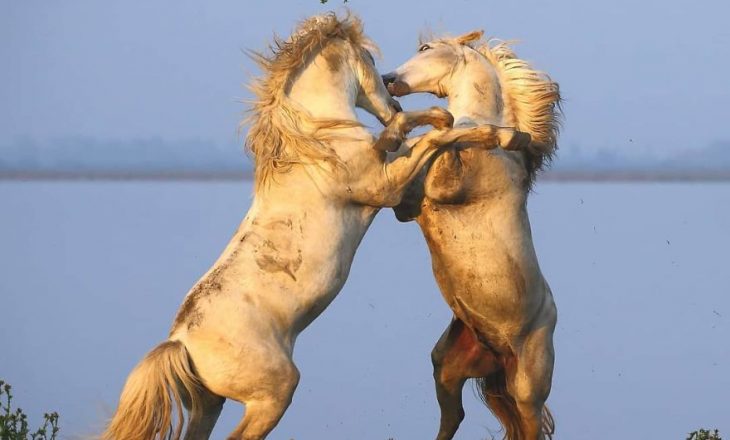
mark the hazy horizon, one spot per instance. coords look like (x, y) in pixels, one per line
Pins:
(637, 78)
(80, 157)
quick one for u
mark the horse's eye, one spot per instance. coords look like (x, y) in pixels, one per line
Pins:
(424, 47)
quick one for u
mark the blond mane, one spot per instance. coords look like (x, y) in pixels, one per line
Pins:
(281, 132)
(531, 101)
(531, 98)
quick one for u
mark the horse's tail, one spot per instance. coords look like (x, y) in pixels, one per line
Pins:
(152, 397)
(548, 423)
(493, 392)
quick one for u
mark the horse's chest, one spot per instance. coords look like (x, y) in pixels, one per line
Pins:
(498, 171)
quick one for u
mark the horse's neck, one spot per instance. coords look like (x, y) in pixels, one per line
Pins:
(475, 97)
(324, 93)
(331, 95)
(474, 94)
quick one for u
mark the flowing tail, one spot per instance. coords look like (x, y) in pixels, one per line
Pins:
(493, 392)
(152, 399)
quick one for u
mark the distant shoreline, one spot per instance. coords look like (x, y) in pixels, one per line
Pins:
(548, 176)
(124, 175)
(636, 176)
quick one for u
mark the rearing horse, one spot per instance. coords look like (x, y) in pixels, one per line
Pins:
(320, 179)
(472, 208)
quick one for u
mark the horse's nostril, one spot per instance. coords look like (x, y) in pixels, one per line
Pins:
(388, 78)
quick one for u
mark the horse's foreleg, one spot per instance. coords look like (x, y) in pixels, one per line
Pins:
(511, 139)
(384, 186)
(529, 380)
(456, 357)
(395, 132)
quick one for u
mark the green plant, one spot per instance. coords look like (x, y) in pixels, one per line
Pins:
(14, 423)
(704, 434)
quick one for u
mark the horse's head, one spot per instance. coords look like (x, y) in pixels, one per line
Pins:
(491, 83)
(341, 60)
(310, 84)
(429, 71)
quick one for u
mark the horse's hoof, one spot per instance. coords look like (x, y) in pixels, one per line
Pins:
(513, 140)
(398, 88)
(388, 144)
(442, 118)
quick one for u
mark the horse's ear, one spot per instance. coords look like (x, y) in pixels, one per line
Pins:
(471, 36)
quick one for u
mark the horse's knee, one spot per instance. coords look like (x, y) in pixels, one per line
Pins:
(448, 377)
(437, 357)
(446, 373)
(528, 389)
(286, 385)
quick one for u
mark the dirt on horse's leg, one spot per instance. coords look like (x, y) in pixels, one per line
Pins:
(457, 356)
(529, 379)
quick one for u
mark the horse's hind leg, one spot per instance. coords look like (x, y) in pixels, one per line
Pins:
(267, 405)
(457, 356)
(203, 418)
(254, 369)
(529, 378)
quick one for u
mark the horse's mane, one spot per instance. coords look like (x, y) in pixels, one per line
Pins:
(531, 101)
(531, 98)
(282, 133)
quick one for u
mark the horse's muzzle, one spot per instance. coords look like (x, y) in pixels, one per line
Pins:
(395, 86)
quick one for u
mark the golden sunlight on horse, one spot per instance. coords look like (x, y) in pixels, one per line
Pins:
(471, 207)
(320, 180)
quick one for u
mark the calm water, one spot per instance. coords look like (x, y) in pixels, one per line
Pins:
(91, 275)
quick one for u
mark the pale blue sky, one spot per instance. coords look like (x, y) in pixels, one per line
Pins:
(650, 71)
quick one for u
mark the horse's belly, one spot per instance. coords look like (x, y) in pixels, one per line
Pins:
(482, 280)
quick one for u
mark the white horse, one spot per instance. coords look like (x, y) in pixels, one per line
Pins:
(320, 180)
(471, 207)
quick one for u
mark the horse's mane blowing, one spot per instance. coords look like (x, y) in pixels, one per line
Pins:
(277, 137)
(531, 98)
(531, 101)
